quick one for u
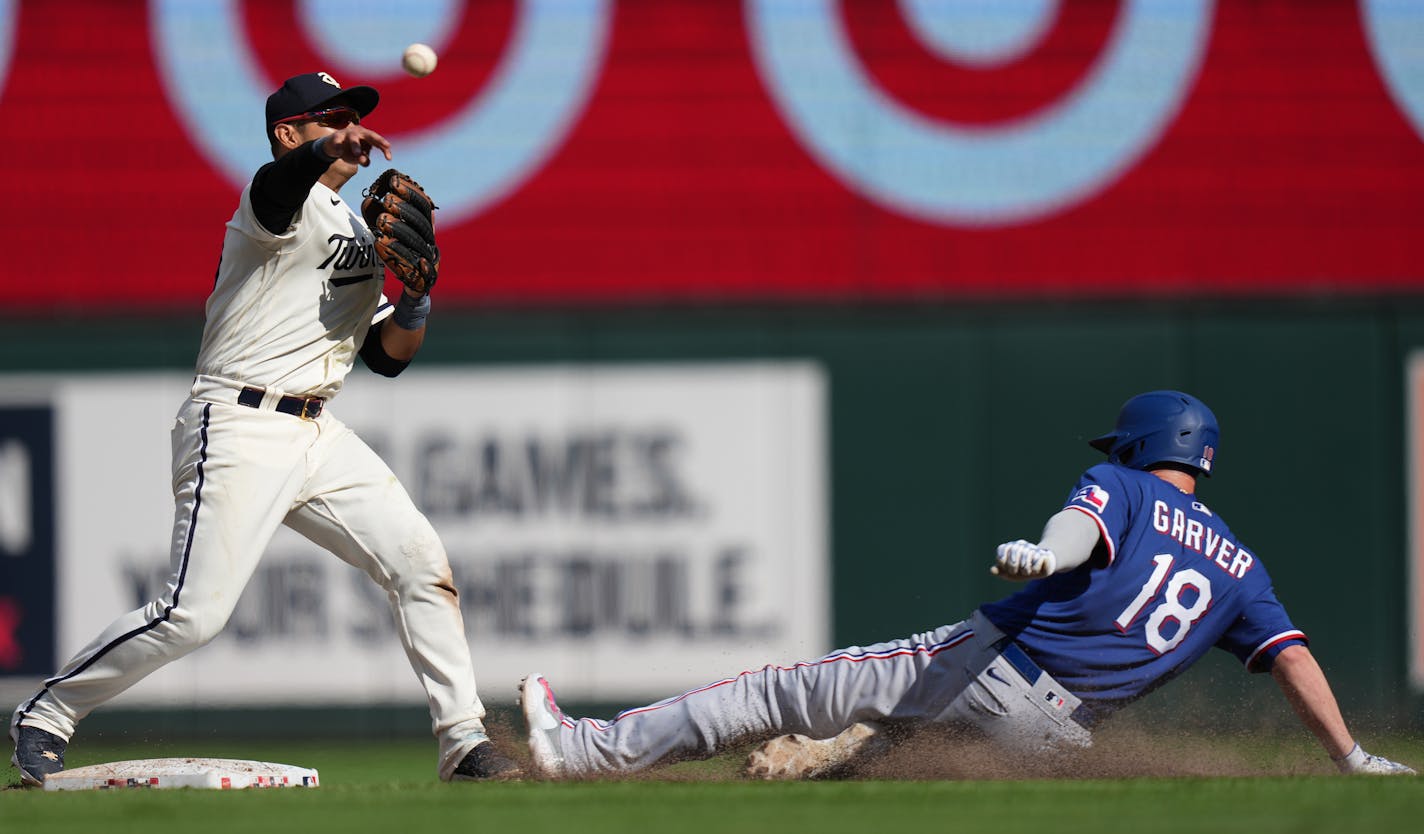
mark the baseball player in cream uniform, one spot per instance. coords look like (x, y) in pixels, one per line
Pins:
(297, 298)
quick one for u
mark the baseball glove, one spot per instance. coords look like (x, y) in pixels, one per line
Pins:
(401, 216)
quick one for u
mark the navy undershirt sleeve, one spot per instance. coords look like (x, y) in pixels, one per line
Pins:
(373, 353)
(281, 186)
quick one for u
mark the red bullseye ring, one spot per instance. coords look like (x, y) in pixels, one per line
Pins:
(279, 43)
(898, 60)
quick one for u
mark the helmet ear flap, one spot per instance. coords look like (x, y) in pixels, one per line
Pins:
(1128, 453)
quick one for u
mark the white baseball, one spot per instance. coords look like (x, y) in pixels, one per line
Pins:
(418, 60)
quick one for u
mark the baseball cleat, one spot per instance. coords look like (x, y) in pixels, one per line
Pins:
(37, 754)
(1358, 761)
(545, 721)
(484, 763)
(796, 756)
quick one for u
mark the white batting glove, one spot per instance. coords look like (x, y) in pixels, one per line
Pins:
(1024, 560)
(1358, 761)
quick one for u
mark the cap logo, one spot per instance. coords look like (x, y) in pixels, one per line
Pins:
(328, 79)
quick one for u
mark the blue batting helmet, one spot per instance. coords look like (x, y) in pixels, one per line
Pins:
(1162, 427)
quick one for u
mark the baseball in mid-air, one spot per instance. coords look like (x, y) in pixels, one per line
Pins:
(418, 60)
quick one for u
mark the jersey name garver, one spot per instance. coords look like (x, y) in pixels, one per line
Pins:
(1192, 533)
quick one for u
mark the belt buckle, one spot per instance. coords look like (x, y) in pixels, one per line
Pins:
(307, 403)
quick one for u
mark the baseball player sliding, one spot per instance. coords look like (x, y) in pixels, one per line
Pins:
(1133, 581)
(297, 299)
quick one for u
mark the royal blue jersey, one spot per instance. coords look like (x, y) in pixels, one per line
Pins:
(1167, 581)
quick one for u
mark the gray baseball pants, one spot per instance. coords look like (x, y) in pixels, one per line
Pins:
(964, 674)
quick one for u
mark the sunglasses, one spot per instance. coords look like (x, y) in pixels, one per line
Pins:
(336, 117)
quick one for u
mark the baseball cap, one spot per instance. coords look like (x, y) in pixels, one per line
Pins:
(316, 91)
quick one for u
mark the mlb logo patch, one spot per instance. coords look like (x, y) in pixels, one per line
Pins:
(1054, 699)
(1094, 496)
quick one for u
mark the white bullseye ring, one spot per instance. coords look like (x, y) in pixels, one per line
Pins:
(362, 43)
(977, 175)
(482, 152)
(980, 33)
(8, 13)
(1396, 35)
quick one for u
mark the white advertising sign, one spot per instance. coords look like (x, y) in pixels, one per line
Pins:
(1414, 438)
(629, 530)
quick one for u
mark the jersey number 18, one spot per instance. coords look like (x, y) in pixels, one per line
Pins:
(1171, 607)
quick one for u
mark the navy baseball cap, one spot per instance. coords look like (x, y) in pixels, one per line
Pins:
(316, 91)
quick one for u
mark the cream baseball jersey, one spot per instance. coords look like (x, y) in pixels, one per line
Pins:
(288, 312)
(1169, 582)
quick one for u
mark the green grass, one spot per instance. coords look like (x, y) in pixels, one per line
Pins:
(390, 788)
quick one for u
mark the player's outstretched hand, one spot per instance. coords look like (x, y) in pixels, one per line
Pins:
(1023, 560)
(354, 143)
(1358, 761)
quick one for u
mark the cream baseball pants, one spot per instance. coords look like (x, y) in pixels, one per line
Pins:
(238, 472)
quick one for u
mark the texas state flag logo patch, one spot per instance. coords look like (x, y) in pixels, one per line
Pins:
(1094, 496)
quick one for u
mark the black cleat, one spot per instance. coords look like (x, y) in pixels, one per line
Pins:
(37, 754)
(484, 763)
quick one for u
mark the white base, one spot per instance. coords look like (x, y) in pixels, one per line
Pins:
(215, 774)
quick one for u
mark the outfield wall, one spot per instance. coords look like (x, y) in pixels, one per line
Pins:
(949, 429)
(856, 215)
